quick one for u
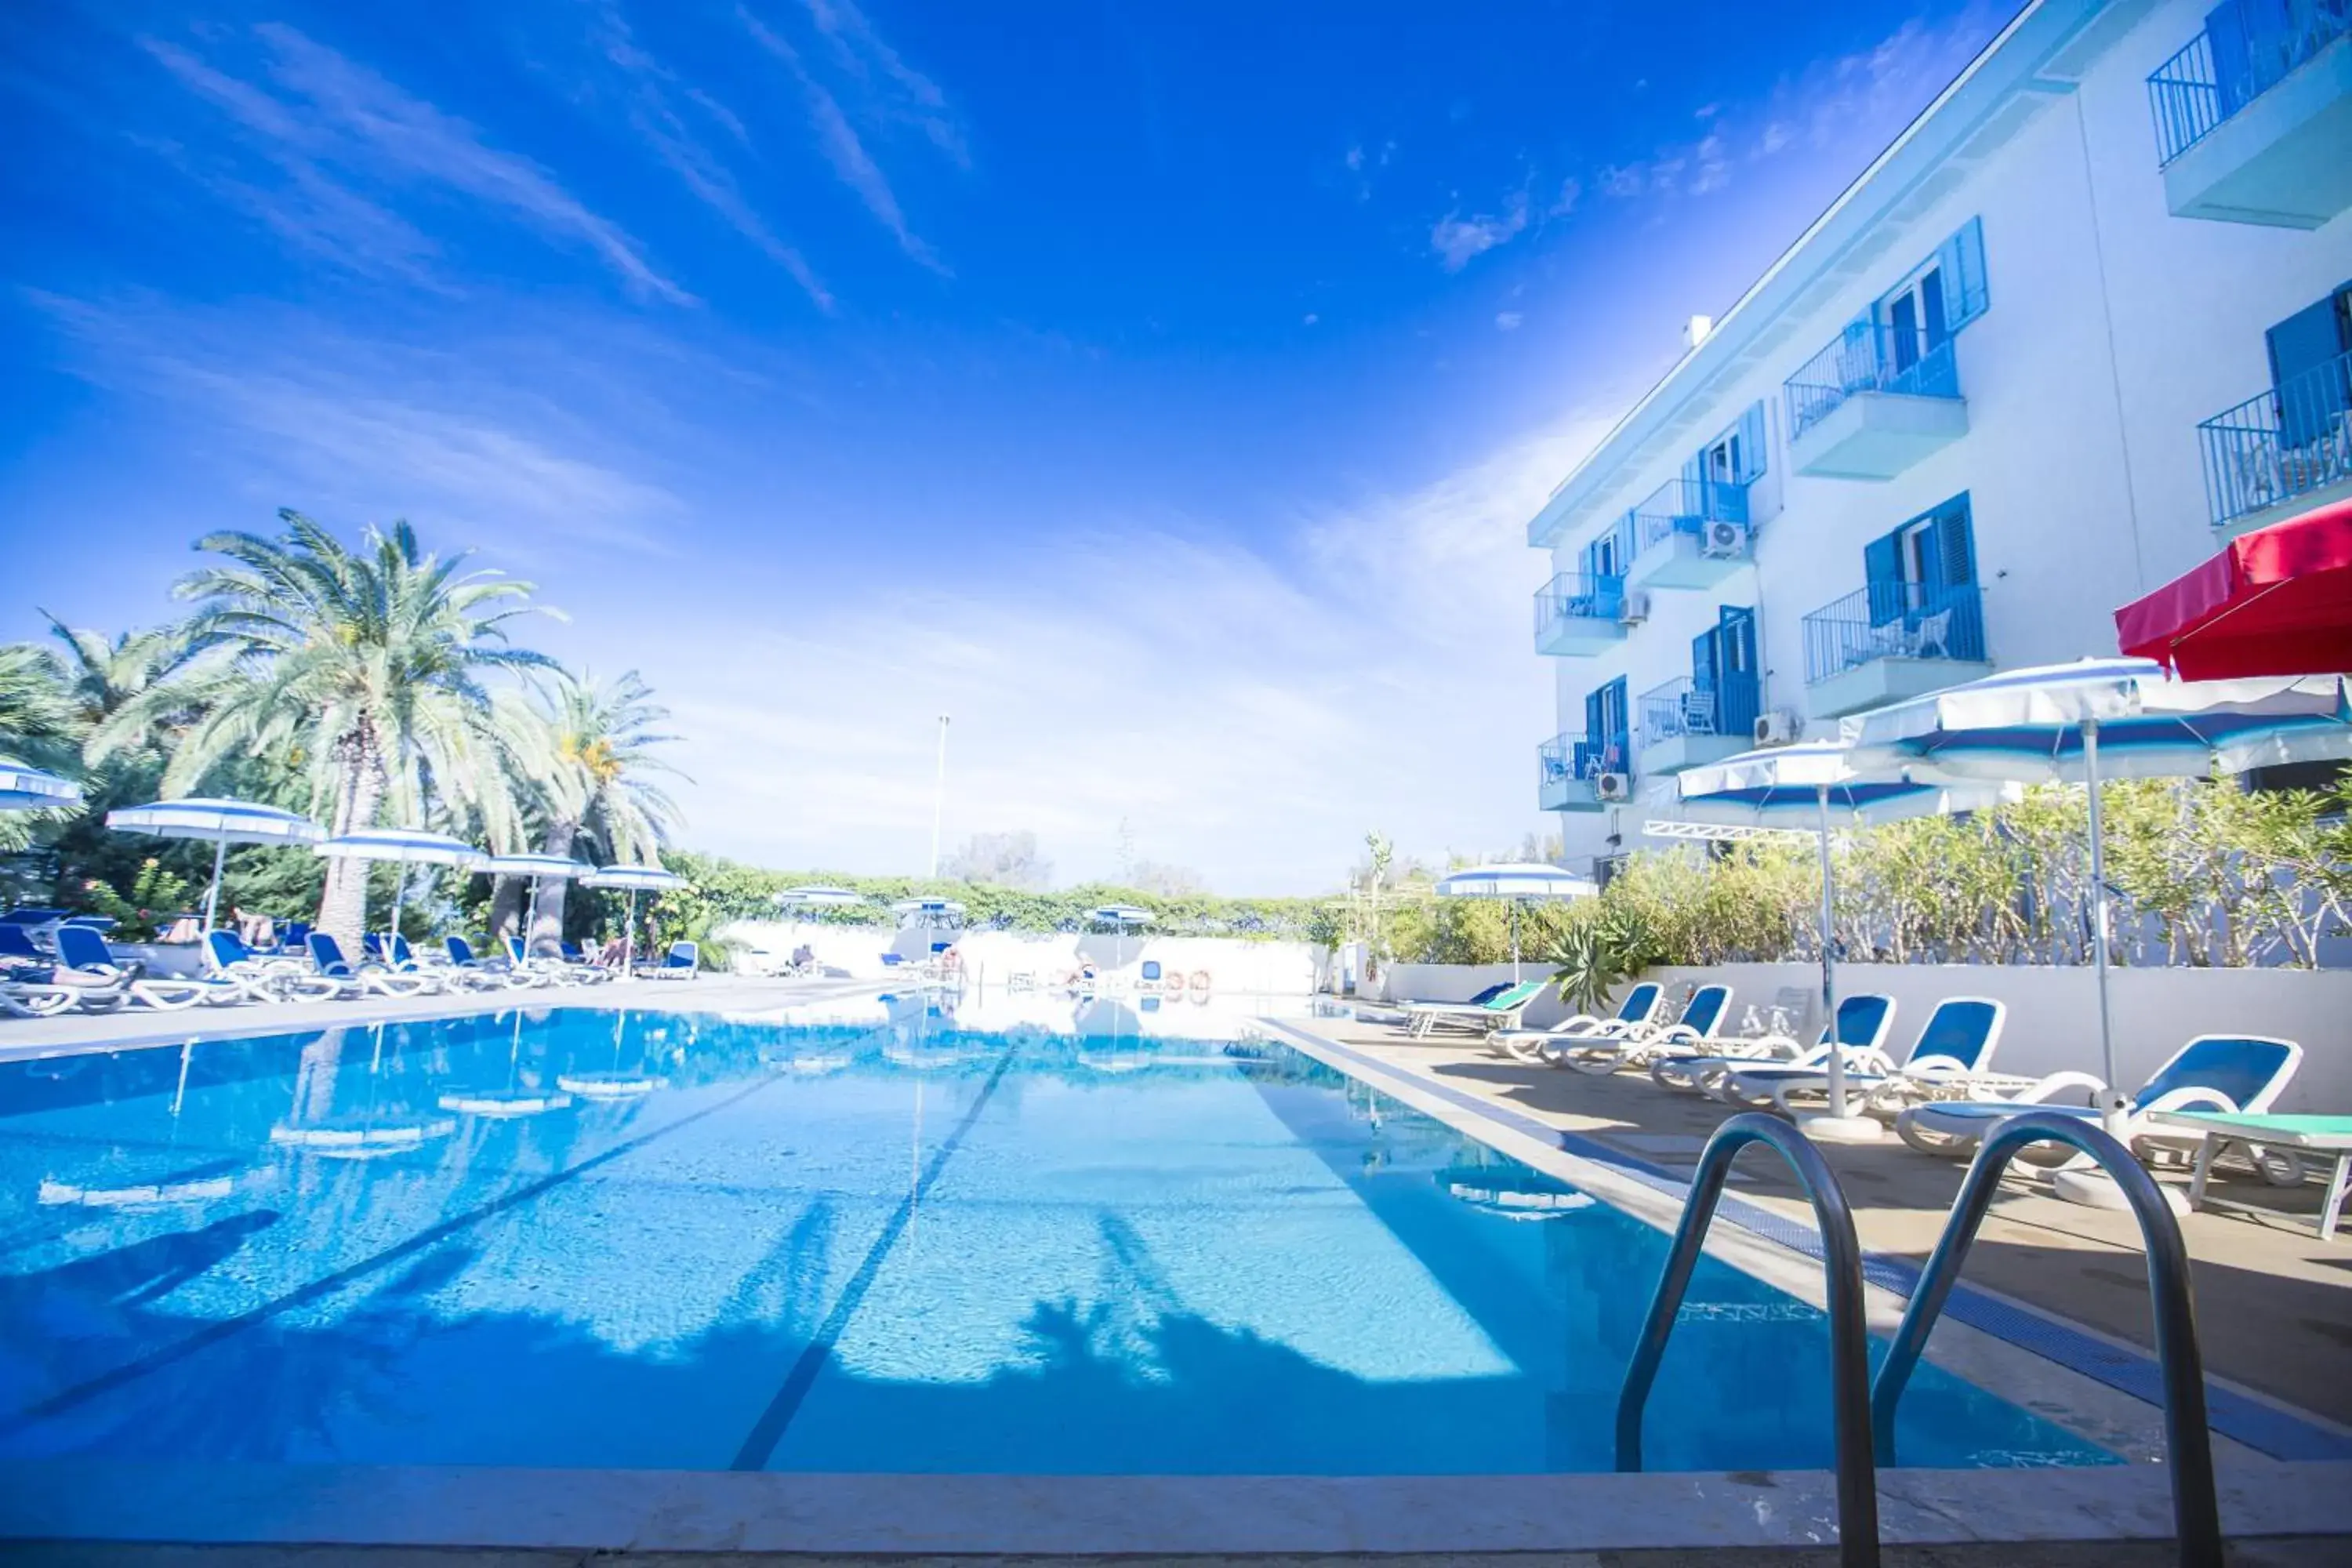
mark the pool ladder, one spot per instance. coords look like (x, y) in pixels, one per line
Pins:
(1863, 1410)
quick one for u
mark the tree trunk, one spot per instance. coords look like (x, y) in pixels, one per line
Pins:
(547, 930)
(507, 898)
(342, 909)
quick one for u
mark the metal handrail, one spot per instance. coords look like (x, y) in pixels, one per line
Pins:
(1857, 1474)
(2196, 1511)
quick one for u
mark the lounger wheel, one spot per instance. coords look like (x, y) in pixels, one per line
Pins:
(2279, 1167)
(1598, 1066)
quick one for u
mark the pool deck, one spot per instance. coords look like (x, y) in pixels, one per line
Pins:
(2274, 1303)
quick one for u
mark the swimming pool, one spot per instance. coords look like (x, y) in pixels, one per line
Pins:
(662, 1240)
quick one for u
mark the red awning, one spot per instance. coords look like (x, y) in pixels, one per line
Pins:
(2277, 601)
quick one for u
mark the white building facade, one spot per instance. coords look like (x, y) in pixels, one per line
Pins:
(2089, 317)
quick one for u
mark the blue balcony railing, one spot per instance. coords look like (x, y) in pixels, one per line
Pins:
(1870, 359)
(1572, 595)
(1687, 506)
(2289, 441)
(1684, 707)
(2246, 49)
(1894, 620)
(1573, 757)
(1555, 760)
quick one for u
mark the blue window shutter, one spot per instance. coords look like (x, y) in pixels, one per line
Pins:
(1594, 728)
(1882, 563)
(1584, 567)
(1955, 552)
(1751, 443)
(1703, 664)
(1960, 261)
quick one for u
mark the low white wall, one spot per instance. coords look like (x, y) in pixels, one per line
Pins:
(2054, 1013)
(991, 957)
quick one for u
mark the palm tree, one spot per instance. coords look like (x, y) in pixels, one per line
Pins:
(101, 675)
(363, 667)
(37, 726)
(587, 749)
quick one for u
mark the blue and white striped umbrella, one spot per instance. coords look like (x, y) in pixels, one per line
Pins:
(2108, 717)
(219, 822)
(2114, 717)
(817, 896)
(632, 881)
(402, 846)
(1119, 915)
(1516, 881)
(30, 789)
(1814, 784)
(927, 907)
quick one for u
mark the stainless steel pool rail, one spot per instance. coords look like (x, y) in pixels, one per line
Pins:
(2196, 1511)
(1857, 1472)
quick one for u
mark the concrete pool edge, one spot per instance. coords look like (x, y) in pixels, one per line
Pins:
(586, 1510)
(2114, 1396)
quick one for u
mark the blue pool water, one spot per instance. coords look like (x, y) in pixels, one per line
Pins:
(663, 1240)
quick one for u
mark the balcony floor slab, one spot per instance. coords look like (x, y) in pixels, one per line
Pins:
(1877, 434)
(1875, 682)
(1579, 636)
(1675, 752)
(2280, 161)
(1677, 561)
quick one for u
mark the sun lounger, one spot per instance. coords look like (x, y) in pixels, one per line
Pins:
(1950, 1060)
(327, 959)
(82, 951)
(487, 972)
(1500, 1010)
(262, 977)
(1860, 1030)
(2211, 1072)
(1693, 1034)
(682, 962)
(1633, 1016)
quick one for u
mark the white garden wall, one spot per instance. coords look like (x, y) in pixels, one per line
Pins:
(2054, 1014)
(990, 957)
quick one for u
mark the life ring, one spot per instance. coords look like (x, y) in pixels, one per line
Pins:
(1201, 981)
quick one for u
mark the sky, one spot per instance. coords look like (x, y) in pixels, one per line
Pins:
(1159, 391)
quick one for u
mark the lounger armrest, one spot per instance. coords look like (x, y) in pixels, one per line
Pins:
(2194, 1097)
(2040, 1091)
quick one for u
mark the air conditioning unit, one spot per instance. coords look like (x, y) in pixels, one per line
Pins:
(1776, 728)
(1613, 786)
(1725, 542)
(1636, 609)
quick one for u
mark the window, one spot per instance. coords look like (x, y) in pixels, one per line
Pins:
(1723, 666)
(1943, 294)
(1915, 568)
(2311, 379)
(1606, 723)
(1736, 456)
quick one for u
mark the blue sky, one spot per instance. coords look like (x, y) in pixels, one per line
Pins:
(1161, 391)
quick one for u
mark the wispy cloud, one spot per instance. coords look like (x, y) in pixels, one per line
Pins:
(329, 124)
(658, 102)
(886, 84)
(1231, 695)
(289, 413)
(1868, 92)
(1459, 240)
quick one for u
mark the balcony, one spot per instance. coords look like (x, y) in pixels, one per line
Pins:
(2253, 117)
(2292, 445)
(1891, 641)
(1685, 725)
(1577, 617)
(1873, 403)
(1691, 533)
(1568, 771)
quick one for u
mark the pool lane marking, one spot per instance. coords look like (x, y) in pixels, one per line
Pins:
(760, 1443)
(2256, 1422)
(328, 1284)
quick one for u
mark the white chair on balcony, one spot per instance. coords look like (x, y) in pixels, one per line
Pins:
(1934, 631)
(1698, 713)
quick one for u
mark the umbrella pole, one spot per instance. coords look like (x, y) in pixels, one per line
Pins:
(1514, 942)
(2108, 1110)
(629, 937)
(399, 889)
(212, 894)
(1829, 971)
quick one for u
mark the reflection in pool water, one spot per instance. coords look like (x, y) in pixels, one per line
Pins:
(910, 1241)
